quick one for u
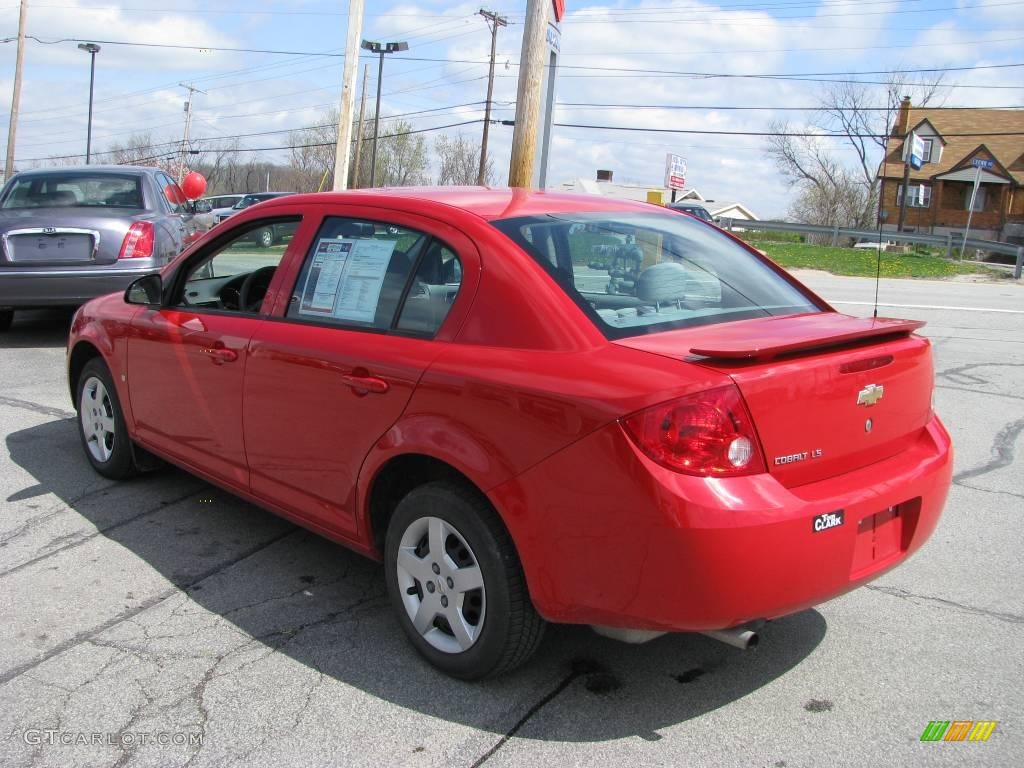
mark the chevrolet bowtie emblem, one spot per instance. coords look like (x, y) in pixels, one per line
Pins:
(870, 395)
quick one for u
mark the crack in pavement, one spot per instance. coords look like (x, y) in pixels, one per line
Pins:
(79, 539)
(28, 405)
(990, 490)
(1002, 452)
(86, 635)
(903, 594)
(979, 391)
(577, 671)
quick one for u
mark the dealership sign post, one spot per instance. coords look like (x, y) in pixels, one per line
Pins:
(675, 173)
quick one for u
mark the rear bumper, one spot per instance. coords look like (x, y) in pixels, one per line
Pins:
(643, 547)
(38, 288)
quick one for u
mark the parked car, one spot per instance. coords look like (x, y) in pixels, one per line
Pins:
(694, 209)
(267, 236)
(221, 205)
(245, 201)
(70, 234)
(435, 378)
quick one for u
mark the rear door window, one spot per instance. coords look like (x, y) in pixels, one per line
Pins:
(376, 276)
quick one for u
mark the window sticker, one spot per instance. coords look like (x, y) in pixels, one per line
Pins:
(345, 279)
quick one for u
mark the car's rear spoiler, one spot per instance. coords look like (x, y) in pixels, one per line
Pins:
(765, 339)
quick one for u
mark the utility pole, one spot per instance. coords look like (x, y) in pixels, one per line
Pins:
(359, 134)
(16, 97)
(188, 122)
(528, 95)
(494, 21)
(348, 86)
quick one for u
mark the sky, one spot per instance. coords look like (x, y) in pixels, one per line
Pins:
(623, 64)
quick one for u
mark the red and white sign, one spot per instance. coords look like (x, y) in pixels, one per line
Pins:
(675, 171)
(559, 9)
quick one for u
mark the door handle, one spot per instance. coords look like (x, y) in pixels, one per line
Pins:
(221, 356)
(364, 384)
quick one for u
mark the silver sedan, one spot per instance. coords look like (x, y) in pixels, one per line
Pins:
(71, 234)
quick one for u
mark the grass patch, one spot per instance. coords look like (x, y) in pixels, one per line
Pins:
(859, 262)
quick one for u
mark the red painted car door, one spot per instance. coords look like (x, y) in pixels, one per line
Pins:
(185, 373)
(187, 360)
(321, 390)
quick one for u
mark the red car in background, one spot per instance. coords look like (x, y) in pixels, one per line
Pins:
(532, 407)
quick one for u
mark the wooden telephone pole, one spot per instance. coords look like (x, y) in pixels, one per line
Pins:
(494, 21)
(528, 95)
(16, 97)
(348, 96)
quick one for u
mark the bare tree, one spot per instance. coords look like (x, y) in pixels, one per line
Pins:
(401, 156)
(311, 151)
(830, 191)
(459, 161)
(142, 149)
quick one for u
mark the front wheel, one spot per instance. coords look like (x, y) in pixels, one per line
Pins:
(6, 318)
(265, 237)
(101, 423)
(455, 581)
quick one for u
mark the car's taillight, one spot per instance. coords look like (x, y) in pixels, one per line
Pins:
(138, 243)
(709, 433)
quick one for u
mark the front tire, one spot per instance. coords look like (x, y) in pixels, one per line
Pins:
(101, 423)
(265, 237)
(456, 583)
(6, 318)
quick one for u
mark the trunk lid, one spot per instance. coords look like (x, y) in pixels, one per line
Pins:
(828, 393)
(65, 237)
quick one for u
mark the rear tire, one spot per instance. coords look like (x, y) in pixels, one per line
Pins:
(6, 318)
(101, 423)
(456, 584)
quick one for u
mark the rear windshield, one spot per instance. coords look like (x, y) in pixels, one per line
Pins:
(637, 273)
(74, 189)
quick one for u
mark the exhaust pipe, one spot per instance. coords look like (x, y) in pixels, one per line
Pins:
(738, 637)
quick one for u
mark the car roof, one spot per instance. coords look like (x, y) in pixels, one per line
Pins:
(497, 203)
(65, 169)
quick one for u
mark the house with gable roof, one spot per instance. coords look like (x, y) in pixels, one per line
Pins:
(940, 192)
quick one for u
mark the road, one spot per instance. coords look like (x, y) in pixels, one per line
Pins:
(162, 605)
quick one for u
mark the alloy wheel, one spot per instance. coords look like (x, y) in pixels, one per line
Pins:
(441, 584)
(97, 415)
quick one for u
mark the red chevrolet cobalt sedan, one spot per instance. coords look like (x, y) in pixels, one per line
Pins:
(532, 407)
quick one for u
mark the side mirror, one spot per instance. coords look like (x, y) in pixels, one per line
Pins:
(147, 290)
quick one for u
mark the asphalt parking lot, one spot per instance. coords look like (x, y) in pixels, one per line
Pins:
(165, 606)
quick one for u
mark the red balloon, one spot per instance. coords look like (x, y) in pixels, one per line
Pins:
(194, 185)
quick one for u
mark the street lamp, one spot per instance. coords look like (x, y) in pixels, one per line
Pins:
(381, 49)
(92, 49)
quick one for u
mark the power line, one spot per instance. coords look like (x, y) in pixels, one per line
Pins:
(637, 70)
(723, 108)
(793, 134)
(172, 144)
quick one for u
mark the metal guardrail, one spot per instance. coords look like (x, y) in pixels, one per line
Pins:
(949, 240)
